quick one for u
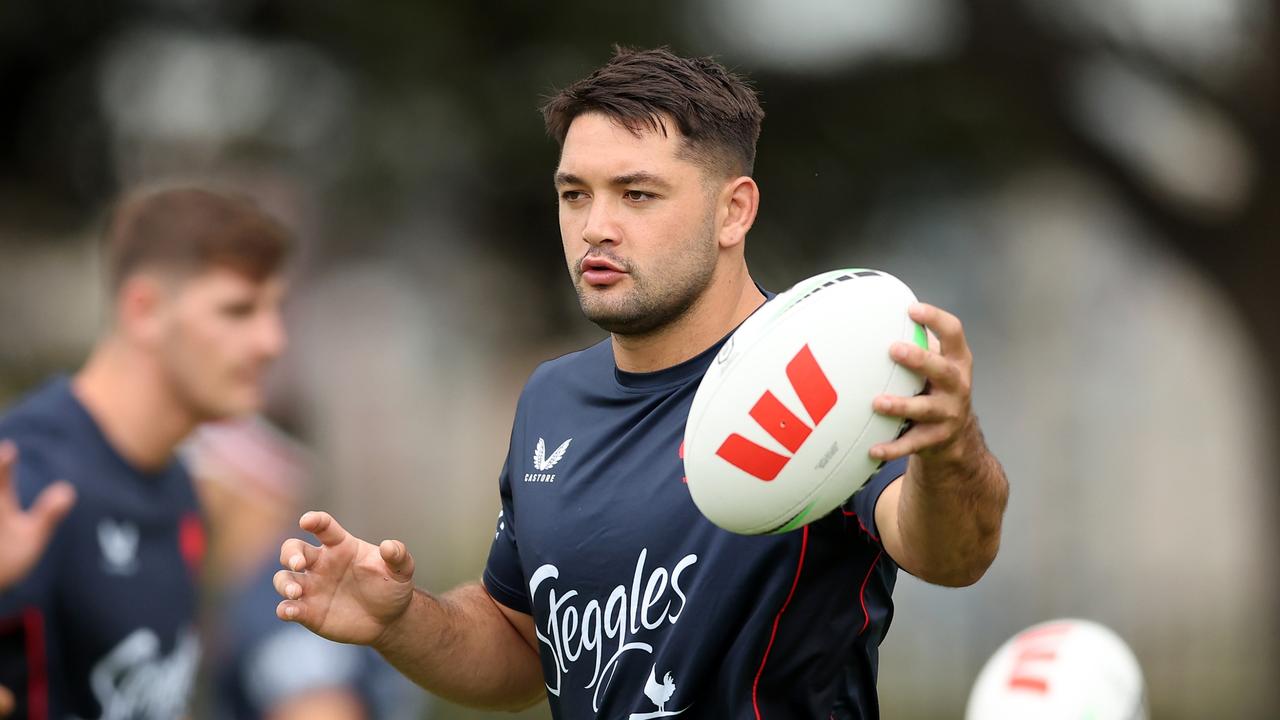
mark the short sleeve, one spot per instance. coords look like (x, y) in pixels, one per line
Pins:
(503, 577)
(863, 503)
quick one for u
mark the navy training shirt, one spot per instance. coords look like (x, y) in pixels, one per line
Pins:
(644, 608)
(104, 626)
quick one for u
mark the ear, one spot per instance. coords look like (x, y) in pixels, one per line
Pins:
(142, 306)
(739, 201)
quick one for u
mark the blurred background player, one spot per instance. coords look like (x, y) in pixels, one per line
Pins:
(104, 624)
(1060, 670)
(251, 479)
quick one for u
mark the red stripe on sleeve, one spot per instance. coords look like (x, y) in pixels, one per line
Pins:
(37, 667)
(863, 528)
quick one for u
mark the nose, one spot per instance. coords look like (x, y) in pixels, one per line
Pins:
(601, 226)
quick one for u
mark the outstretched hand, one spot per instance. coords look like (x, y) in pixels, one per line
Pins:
(942, 522)
(942, 419)
(345, 589)
(24, 535)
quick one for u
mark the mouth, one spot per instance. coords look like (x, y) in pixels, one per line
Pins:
(600, 271)
(253, 374)
(248, 379)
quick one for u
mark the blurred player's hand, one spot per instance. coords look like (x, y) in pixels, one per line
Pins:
(346, 590)
(23, 535)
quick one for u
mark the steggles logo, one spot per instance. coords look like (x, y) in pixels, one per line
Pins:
(588, 631)
(818, 397)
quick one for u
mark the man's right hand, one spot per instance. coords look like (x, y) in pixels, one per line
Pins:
(346, 590)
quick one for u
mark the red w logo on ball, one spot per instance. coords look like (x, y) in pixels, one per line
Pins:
(818, 397)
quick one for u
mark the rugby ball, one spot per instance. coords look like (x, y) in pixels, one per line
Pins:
(1060, 670)
(781, 424)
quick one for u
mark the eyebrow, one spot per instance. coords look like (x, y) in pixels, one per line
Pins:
(632, 178)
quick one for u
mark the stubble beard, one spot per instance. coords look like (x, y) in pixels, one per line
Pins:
(654, 300)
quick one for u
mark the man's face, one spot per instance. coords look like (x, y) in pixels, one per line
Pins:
(637, 223)
(218, 333)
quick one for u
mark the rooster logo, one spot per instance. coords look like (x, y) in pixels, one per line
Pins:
(658, 693)
(543, 463)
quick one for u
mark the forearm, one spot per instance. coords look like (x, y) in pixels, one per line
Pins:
(461, 647)
(951, 509)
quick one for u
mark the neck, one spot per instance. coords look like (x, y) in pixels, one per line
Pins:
(727, 302)
(130, 401)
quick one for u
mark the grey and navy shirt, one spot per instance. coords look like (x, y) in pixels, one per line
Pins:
(645, 609)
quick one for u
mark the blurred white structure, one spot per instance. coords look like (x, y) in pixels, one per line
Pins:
(821, 35)
(1180, 145)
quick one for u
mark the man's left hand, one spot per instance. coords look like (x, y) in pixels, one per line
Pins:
(942, 420)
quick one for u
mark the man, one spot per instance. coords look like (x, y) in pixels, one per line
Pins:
(103, 627)
(605, 589)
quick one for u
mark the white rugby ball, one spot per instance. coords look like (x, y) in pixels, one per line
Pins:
(1060, 670)
(781, 424)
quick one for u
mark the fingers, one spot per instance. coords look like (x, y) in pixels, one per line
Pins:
(50, 506)
(397, 558)
(324, 527)
(291, 611)
(291, 586)
(6, 701)
(939, 369)
(298, 555)
(288, 584)
(8, 454)
(942, 412)
(921, 408)
(947, 327)
(913, 441)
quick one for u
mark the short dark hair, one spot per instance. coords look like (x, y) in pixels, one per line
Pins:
(189, 230)
(717, 111)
